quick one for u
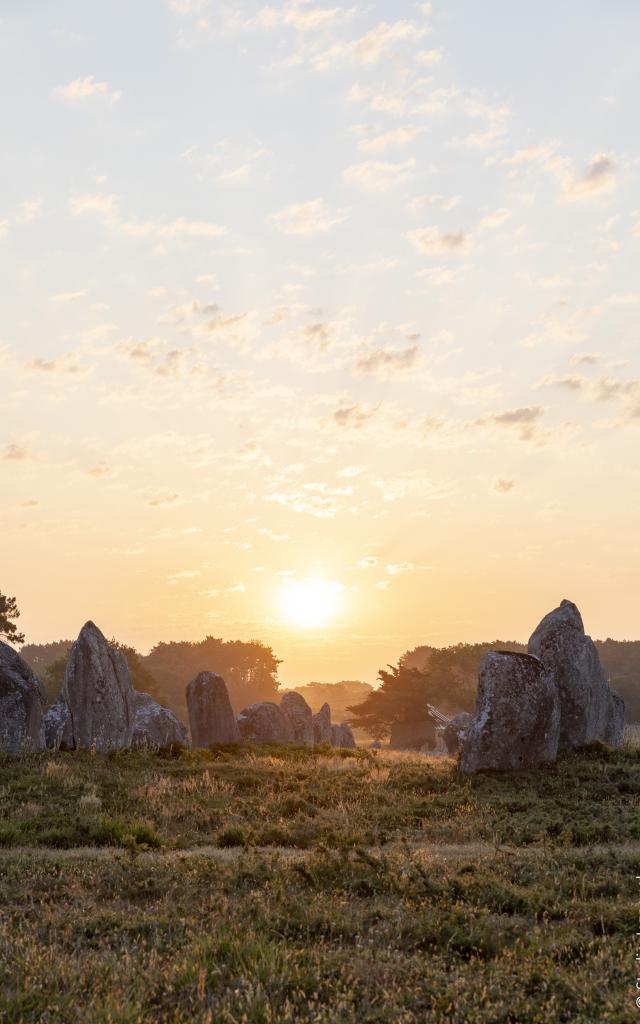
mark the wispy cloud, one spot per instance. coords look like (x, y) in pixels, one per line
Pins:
(312, 217)
(376, 176)
(82, 89)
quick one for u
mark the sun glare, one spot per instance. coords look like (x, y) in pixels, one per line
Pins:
(311, 603)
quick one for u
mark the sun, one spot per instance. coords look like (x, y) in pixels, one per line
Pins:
(311, 603)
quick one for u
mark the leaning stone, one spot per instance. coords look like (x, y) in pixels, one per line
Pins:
(455, 732)
(589, 709)
(264, 722)
(322, 725)
(341, 736)
(299, 715)
(210, 713)
(155, 726)
(21, 700)
(517, 717)
(98, 691)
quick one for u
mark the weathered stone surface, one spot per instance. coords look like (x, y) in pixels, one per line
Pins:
(413, 735)
(589, 709)
(210, 713)
(341, 736)
(517, 718)
(322, 725)
(58, 733)
(264, 722)
(155, 726)
(299, 715)
(455, 732)
(99, 694)
(21, 701)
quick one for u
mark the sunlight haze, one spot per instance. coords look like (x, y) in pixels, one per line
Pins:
(320, 323)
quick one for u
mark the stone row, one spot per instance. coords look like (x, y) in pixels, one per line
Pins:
(98, 708)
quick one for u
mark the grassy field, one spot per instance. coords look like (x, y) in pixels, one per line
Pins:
(284, 885)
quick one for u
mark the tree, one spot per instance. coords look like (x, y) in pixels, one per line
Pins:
(446, 677)
(248, 668)
(9, 611)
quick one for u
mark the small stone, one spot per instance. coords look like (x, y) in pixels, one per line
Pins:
(342, 736)
(455, 732)
(155, 726)
(264, 722)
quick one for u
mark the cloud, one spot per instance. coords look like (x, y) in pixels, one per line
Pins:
(381, 360)
(427, 202)
(429, 240)
(367, 563)
(107, 207)
(93, 202)
(186, 574)
(87, 88)
(352, 417)
(5, 225)
(163, 498)
(416, 98)
(378, 142)
(598, 178)
(15, 453)
(429, 58)
(236, 588)
(312, 217)
(585, 358)
(515, 417)
(298, 15)
(397, 567)
(495, 219)
(604, 389)
(188, 6)
(370, 48)
(64, 297)
(504, 486)
(376, 176)
(28, 211)
(522, 420)
(63, 364)
(495, 124)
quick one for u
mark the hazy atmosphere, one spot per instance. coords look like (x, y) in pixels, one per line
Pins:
(319, 323)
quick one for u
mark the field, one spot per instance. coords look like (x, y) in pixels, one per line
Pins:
(285, 885)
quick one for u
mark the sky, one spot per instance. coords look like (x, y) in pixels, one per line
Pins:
(319, 323)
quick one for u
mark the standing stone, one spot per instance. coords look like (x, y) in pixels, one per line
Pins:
(155, 726)
(589, 709)
(99, 694)
(322, 725)
(341, 736)
(413, 734)
(517, 717)
(58, 733)
(455, 732)
(21, 699)
(264, 722)
(210, 713)
(299, 715)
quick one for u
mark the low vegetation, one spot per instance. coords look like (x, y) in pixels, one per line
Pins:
(268, 885)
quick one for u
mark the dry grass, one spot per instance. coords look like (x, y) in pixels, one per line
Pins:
(289, 886)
